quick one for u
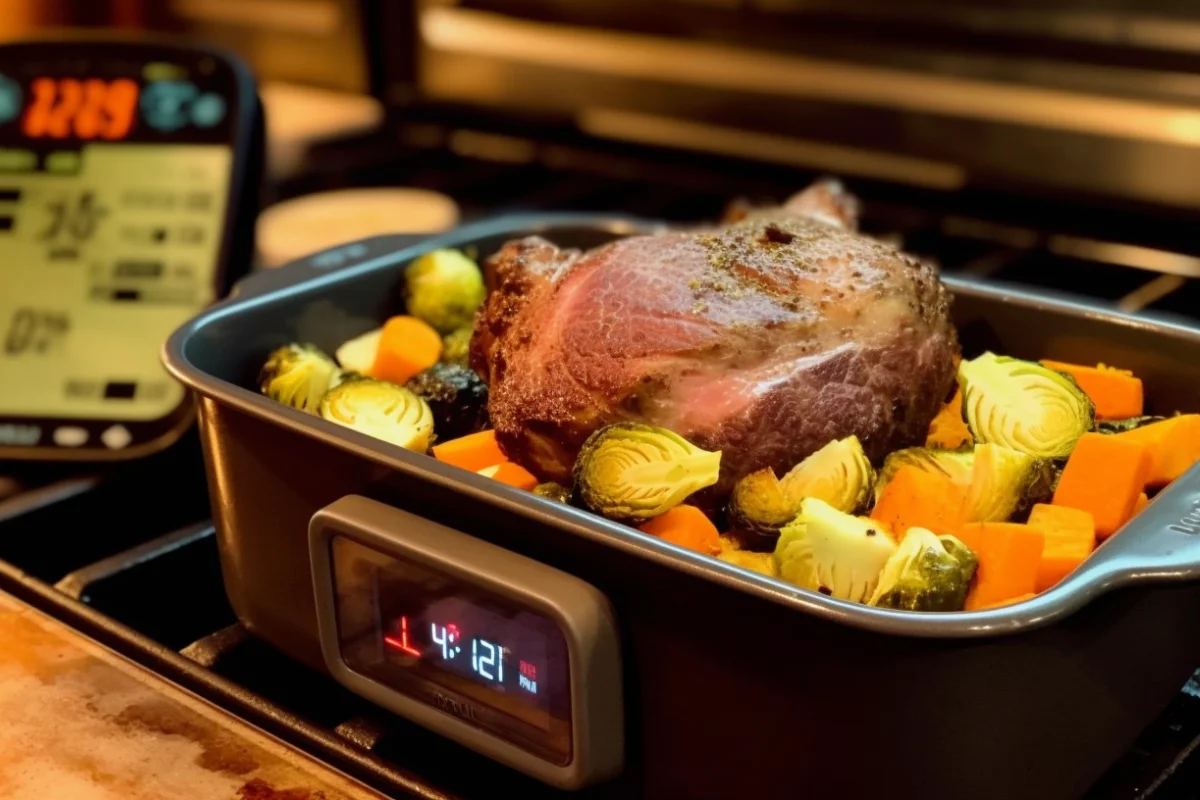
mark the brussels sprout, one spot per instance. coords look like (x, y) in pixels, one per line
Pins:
(759, 506)
(297, 375)
(839, 473)
(763, 563)
(380, 409)
(553, 491)
(632, 471)
(444, 288)
(358, 354)
(1023, 405)
(954, 464)
(1123, 425)
(456, 347)
(926, 573)
(456, 396)
(831, 552)
(1006, 483)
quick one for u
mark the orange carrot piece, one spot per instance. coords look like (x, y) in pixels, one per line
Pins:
(1104, 476)
(914, 498)
(948, 430)
(1009, 555)
(1115, 393)
(1008, 601)
(1142, 501)
(408, 346)
(686, 526)
(473, 452)
(1070, 538)
(1174, 446)
(511, 474)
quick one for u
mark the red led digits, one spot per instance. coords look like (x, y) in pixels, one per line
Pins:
(401, 643)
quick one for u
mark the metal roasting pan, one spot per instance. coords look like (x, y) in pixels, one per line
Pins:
(736, 685)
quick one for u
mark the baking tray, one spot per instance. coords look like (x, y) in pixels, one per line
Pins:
(737, 684)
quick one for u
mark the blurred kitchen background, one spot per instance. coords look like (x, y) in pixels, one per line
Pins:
(1052, 143)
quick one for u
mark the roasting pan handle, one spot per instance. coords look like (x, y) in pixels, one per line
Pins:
(1161, 544)
(331, 259)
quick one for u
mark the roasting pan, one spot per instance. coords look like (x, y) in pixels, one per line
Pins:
(736, 685)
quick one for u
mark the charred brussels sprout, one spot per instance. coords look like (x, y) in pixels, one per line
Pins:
(444, 288)
(759, 506)
(839, 473)
(1023, 405)
(954, 464)
(456, 396)
(456, 347)
(831, 552)
(383, 410)
(1007, 483)
(553, 491)
(631, 471)
(926, 573)
(298, 375)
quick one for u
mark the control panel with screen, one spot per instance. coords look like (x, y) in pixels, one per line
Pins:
(505, 655)
(120, 170)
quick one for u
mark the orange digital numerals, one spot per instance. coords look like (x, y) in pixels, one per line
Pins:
(87, 109)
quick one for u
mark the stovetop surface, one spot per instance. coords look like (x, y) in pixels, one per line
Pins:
(133, 545)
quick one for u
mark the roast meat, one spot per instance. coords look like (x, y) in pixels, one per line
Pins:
(764, 338)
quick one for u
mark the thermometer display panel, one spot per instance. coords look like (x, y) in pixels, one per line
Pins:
(117, 166)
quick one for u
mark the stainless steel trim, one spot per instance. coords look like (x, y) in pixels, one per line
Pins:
(714, 66)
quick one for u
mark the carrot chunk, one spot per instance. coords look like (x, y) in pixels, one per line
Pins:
(686, 526)
(1070, 538)
(948, 431)
(1115, 393)
(511, 474)
(1009, 555)
(1008, 601)
(915, 498)
(1142, 501)
(406, 347)
(1174, 446)
(473, 452)
(1104, 476)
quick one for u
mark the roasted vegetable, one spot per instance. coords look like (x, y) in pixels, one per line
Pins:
(948, 431)
(1009, 556)
(298, 375)
(839, 473)
(1104, 477)
(407, 347)
(686, 526)
(763, 563)
(916, 498)
(444, 288)
(633, 471)
(1174, 446)
(926, 573)
(953, 464)
(553, 491)
(1115, 393)
(380, 409)
(1023, 405)
(1006, 483)
(1125, 425)
(831, 552)
(358, 354)
(1070, 537)
(472, 452)
(511, 474)
(456, 347)
(456, 396)
(758, 506)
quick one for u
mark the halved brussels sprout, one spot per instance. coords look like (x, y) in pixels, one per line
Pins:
(553, 491)
(1007, 483)
(1123, 425)
(358, 354)
(456, 396)
(632, 471)
(763, 563)
(927, 573)
(758, 504)
(954, 464)
(831, 552)
(456, 347)
(380, 409)
(444, 288)
(839, 473)
(298, 375)
(1023, 405)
